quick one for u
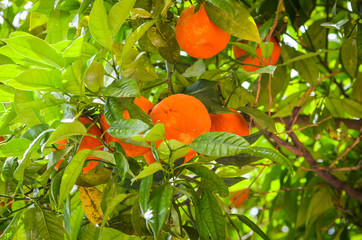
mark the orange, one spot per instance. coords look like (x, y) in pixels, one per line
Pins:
(198, 36)
(130, 150)
(272, 60)
(87, 142)
(229, 122)
(239, 197)
(184, 118)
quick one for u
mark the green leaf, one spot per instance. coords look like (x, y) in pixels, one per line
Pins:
(121, 88)
(96, 176)
(306, 56)
(266, 49)
(6, 93)
(43, 224)
(239, 160)
(152, 135)
(38, 79)
(349, 56)
(212, 215)
(121, 161)
(171, 150)
(272, 155)
(118, 14)
(9, 71)
(36, 49)
(253, 226)
(30, 116)
(126, 128)
(212, 181)
(98, 25)
(196, 69)
(144, 192)
(151, 169)
(58, 25)
(359, 40)
(260, 117)
(338, 107)
(163, 37)
(111, 206)
(15, 147)
(158, 207)
(133, 38)
(238, 22)
(219, 144)
(66, 130)
(93, 76)
(19, 172)
(337, 25)
(70, 175)
(42, 103)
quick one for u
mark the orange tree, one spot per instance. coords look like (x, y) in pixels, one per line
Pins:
(293, 172)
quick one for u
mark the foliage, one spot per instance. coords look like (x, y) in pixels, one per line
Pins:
(60, 60)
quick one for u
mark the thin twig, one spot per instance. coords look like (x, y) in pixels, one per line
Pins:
(275, 23)
(347, 150)
(308, 126)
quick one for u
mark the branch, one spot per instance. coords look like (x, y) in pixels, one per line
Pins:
(299, 149)
(304, 120)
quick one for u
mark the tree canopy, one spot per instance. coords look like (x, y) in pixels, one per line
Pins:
(79, 79)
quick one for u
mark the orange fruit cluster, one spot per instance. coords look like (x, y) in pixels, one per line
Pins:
(197, 35)
(185, 118)
(272, 60)
(130, 150)
(87, 142)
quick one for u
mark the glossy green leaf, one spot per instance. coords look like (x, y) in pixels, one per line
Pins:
(111, 206)
(70, 175)
(36, 49)
(154, 134)
(149, 170)
(66, 130)
(98, 25)
(9, 71)
(272, 155)
(58, 25)
(171, 150)
(125, 87)
(144, 193)
(238, 22)
(253, 226)
(118, 14)
(126, 128)
(219, 144)
(133, 38)
(38, 79)
(212, 181)
(95, 177)
(349, 56)
(158, 208)
(6, 93)
(30, 116)
(15, 147)
(19, 172)
(212, 215)
(260, 117)
(93, 76)
(121, 161)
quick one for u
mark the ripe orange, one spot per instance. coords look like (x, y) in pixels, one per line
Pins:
(229, 122)
(87, 142)
(184, 118)
(197, 35)
(272, 60)
(239, 197)
(130, 150)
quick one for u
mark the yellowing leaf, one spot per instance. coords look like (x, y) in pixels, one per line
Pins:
(91, 199)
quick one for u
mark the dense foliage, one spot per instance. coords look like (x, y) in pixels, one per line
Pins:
(296, 176)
